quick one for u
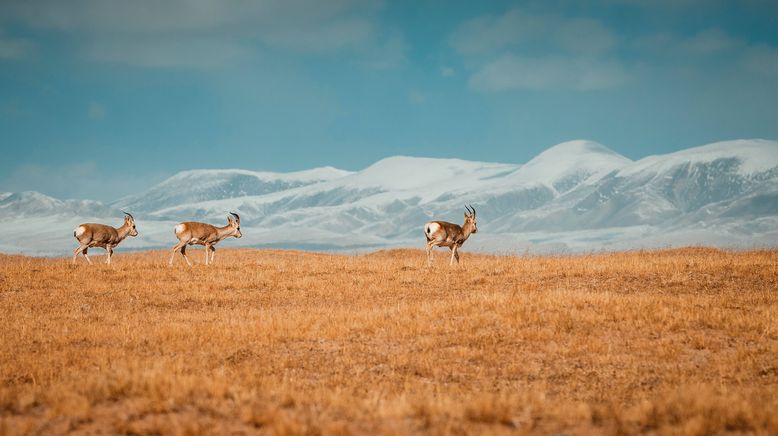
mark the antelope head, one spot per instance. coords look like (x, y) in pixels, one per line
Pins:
(470, 221)
(129, 221)
(234, 221)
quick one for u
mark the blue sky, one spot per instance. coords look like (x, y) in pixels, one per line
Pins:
(101, 98)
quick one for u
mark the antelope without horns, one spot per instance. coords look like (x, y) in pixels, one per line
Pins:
(91, 235)
(445, 234)
(194, 233)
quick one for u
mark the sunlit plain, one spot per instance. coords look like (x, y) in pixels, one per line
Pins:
(293, 342)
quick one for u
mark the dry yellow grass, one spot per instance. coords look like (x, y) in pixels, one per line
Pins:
(682, 341)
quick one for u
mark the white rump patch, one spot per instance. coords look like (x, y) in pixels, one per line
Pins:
(432, 228)
(80, 230)
(179, 229)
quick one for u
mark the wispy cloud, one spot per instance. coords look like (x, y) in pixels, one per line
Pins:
(523, 50)
(386, 54)
(515, 72)
(517, 29)
(707, 42)
(520, 50)
(206, 33)
(665, 4)
(169, 52)
(687, 51)
(583, 35)
(339, 34)
(183, 16)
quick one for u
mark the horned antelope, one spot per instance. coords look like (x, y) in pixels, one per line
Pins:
(191, 233)
(99, 235)
(445, 234)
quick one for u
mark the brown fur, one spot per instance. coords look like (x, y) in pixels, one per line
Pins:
(449, 235)
(196, 233)
(103, 236)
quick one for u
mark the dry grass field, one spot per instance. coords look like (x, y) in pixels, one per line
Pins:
(283, 342)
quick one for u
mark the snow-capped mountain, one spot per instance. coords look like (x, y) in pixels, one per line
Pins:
(202, 185)
(31, 204)
(698, 184)
(578, 195)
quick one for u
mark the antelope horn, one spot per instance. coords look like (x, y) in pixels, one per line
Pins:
(471, 207)
(130, 215)
(235, 215)
(468, 210)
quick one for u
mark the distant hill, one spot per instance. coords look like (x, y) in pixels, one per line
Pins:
(578, 195)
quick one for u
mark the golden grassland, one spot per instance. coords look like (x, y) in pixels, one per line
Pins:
(270, 341)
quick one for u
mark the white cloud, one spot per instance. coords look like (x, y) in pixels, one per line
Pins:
(683, 51)
(667, 4)
(518, 29)
(185, 52)
(584, 35)
(504, 49)
(330, 36)
(204, 33)
(181, 16)
(511, 72)
(490, 32)
(704, 43)
(386, 54)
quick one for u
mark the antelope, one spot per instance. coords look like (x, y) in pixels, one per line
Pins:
(191, 233)
(445, 234)
(99, 235)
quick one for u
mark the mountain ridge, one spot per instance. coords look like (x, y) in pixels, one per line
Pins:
(575, 195)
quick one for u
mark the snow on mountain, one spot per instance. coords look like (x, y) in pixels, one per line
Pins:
(750, 157)
(564, 166)
(30, 203)
(431, 177)
(661, 188)
(202, 185)
(543, 180)
(399, 181)
(578, 195)
(34, 223)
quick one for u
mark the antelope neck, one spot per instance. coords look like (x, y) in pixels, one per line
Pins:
(225, 231)
(124, 230)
